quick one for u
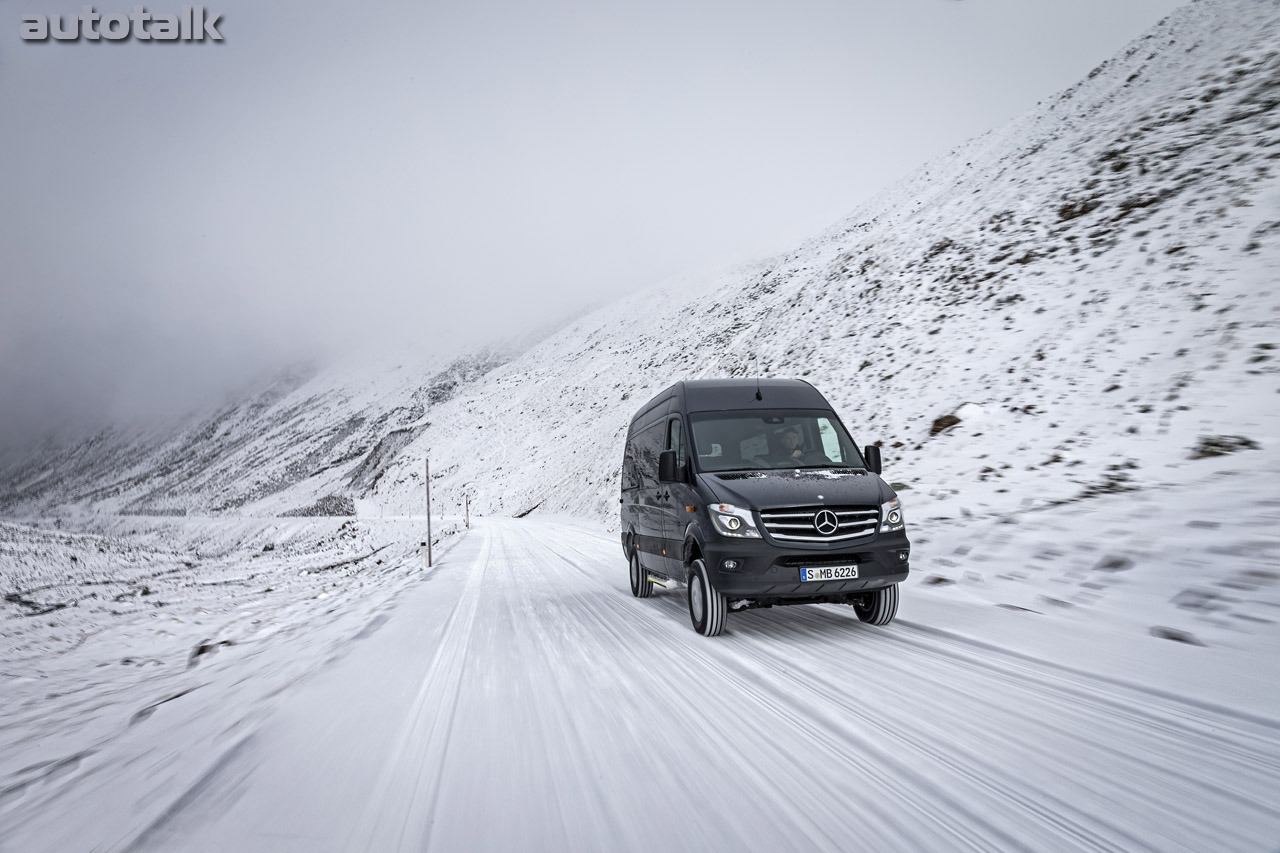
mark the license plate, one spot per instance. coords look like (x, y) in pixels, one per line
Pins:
(828, 573)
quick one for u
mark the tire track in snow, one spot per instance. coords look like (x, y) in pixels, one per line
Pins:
(582, 710)
(1105, 715)
(821, 726)
(1034, 806)
(701, 661)
(400, 808)
(1231, 743)
(1240, 733)
(952, 638)
(969, 719)
(768, 785)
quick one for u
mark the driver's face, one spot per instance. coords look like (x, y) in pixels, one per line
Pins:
(790, 440)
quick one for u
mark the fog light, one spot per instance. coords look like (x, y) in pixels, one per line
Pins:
(730, 565)
(902, 556)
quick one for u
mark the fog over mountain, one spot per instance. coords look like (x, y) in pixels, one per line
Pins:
(1096, 274)
(185, 217)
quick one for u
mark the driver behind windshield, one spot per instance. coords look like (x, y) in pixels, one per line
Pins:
(793, 451)
(790, 445)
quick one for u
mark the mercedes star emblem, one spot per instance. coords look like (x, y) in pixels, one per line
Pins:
(825, 522)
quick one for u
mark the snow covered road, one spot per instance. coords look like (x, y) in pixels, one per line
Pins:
(522, 699)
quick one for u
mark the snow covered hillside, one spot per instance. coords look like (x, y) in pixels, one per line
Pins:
(1094, 285)
(316, 438)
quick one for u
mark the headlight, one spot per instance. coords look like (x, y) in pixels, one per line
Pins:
(891, 519)
(730, 520)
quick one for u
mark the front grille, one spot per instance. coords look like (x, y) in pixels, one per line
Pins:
(802, 524)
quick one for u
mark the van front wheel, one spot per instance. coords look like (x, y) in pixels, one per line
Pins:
(879, 606)
(641, 586)
(707, 607)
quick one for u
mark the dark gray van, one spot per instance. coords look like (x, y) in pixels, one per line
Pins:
(751, 493)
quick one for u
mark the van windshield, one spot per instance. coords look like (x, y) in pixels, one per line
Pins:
(759, 440)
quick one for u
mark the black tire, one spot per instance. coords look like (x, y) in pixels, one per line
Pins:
(708, 609)
(879, 606)
(641, 586)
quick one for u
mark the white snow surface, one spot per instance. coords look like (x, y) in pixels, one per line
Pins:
(517, 697)
(1087, 654)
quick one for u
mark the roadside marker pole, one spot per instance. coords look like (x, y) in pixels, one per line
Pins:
(428, 464)
(468, 513)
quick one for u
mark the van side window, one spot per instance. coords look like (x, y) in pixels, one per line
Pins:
(631, 465)
(648, 445)
(675, 440)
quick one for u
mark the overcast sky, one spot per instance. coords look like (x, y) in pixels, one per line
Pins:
(176, 217)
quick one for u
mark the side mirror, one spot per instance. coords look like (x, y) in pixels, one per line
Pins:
(667, 467)
(873, 457)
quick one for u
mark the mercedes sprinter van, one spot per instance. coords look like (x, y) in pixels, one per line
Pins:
(751, 493)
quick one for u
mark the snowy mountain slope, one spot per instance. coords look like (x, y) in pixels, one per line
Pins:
(1093, 283)
(1096, 281)
(334, 430)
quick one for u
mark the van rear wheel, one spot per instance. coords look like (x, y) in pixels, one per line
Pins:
(879, 606)
(707, 606)
(641, 586)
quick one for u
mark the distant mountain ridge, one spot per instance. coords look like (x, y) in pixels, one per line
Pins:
(1095, 283)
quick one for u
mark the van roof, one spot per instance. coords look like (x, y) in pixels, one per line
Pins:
(717, 395)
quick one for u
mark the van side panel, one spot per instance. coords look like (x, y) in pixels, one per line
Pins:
(641, 514)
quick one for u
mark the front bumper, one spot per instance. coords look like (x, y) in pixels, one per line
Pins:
(771, 573)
